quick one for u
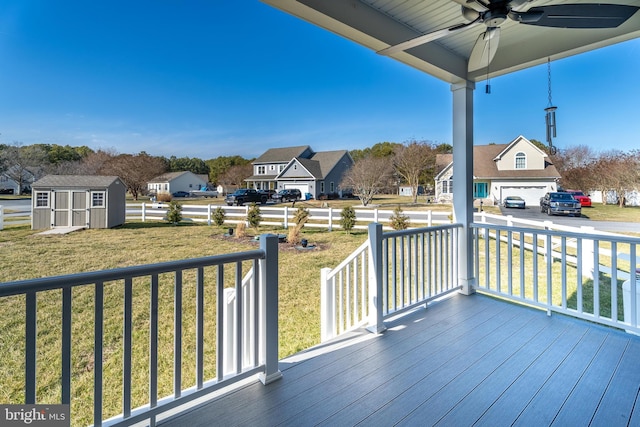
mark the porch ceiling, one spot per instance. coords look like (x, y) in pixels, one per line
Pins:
(378, 24)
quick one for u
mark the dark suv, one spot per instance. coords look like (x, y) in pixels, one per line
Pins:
(287, 195)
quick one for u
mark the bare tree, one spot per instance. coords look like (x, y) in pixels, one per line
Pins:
(23, 164)
(367, 177)
(415, 163)
(134, 170)
(235, 175)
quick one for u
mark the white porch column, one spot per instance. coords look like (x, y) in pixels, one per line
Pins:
(463, 179)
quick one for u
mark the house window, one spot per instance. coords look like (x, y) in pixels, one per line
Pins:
(331, 189)
(447, 186)
(262, 170)
(97, 199)
(322, 186)
(280, 168)
(42, 199)
(480, 190)
(521, 161)
(272, 167)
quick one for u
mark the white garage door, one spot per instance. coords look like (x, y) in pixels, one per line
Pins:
(531, 195)
(304, 188)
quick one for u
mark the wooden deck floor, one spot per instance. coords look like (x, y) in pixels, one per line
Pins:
(464, 361)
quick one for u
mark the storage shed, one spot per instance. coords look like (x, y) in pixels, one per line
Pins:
(78, 201)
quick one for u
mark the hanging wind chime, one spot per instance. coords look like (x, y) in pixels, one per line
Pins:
(550, 115)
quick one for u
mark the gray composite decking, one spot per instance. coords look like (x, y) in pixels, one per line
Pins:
(467, 360)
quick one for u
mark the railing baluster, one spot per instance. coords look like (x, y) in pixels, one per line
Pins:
(239, 315)
(220, 335)
(522, 263)
(97, 353)
(153, 346)
(177, 334)
(30, 347)
(127, 346)
(200, 327)
(66, 345)
(509, 262)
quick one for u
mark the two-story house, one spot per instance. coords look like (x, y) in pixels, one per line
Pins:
(302, 168)
(500, 170)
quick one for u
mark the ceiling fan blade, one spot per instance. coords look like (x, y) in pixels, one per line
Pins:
(590, 15)
(485, 49)
(477, 5)
(426, 38)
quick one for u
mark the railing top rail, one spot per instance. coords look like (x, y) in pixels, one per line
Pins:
(60, 282)
(398, 233)
(557, 233)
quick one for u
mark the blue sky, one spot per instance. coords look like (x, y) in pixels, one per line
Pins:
(209, 78)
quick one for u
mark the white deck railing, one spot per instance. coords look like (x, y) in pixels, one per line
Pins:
(389, 273)
(245, 315)
(587, 275)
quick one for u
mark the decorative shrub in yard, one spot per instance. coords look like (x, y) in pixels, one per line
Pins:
(219, 216)
(163, 197)
(300, 218)
(253, 216)
(398, 220)
(174, 213)
(348, 219)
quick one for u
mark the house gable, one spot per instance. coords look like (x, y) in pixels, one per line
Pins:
(521, 154)
(300, 169)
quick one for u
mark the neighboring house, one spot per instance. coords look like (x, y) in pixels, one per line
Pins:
(171, 182)
(89, 201)
(302, 168)
(9, 185)
(500, 170)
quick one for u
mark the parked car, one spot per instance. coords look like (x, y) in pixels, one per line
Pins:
(287, 195)
(268, 193)
(180, 194)
(245, 195)
(560, 203)
(513, 202)
(584, 200)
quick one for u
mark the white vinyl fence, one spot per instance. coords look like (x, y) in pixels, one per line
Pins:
(14, 217)
(328, 218)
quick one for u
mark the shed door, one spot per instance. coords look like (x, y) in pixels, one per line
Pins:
(60, 209)
(79, 208)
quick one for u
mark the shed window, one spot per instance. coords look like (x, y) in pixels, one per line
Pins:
(521, 161)
(42, 199)
(97, 199)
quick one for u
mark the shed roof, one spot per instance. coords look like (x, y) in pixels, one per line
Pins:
(80, 181)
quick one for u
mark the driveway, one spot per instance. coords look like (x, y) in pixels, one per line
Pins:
(533, 213)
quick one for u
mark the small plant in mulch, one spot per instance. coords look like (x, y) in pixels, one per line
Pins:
(398, 220)
(253, 216)
(348, 219)
(219, 216)
(174, 213)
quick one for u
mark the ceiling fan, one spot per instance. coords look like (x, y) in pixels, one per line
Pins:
(492, 13)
